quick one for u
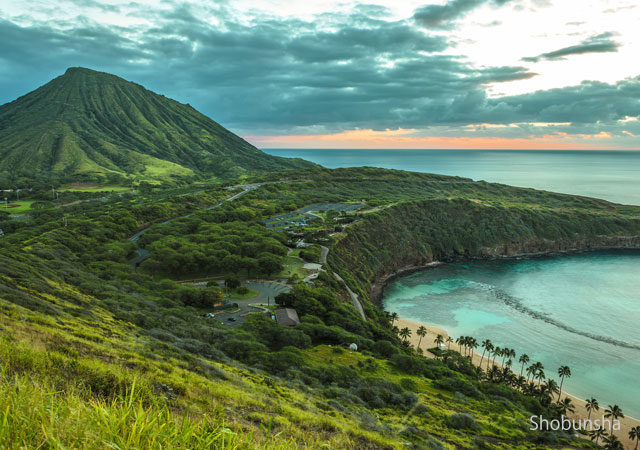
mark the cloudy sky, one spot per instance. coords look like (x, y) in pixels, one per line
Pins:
(341, 74)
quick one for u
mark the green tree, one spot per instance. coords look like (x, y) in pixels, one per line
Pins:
(405, 333)
(439, 340)
(524, 359)
(487, 345)
(613, 411)
(590, 405)
(270, 264)
(634, 435)
(611, 442)
(232, 283)
(563, 371)
(597, 433)
(422, 332)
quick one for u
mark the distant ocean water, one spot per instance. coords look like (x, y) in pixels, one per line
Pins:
(610, 175)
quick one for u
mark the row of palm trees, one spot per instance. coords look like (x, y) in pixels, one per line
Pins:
(611, 441)
(535, 383)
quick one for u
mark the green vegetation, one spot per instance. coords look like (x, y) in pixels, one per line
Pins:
(243, 293)
(97, 353)
(86, 187)
(23, 207)
(92, 126)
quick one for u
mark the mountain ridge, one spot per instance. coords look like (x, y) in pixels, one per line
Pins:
(89, 124)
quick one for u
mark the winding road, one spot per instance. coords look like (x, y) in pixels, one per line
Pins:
(143, 254)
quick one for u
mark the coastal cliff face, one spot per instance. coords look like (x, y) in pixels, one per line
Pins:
(542, 247)
(410, 236)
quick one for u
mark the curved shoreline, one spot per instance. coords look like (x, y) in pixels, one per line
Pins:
(376, 288)
(581, 412)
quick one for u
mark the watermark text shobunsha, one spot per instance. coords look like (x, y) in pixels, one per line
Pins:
(565, 424)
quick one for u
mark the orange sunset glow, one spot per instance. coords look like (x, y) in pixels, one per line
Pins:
(405, 138)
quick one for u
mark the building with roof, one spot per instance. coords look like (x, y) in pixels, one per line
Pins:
(287, 317)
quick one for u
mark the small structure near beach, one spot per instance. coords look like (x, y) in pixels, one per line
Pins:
(287, 317)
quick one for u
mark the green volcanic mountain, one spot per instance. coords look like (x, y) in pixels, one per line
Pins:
(88, 124)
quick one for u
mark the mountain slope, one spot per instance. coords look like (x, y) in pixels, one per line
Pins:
(90, 124)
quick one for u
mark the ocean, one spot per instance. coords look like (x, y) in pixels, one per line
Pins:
(580, 310)
(610, 175)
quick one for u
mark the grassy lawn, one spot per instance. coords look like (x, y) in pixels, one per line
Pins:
(25, 205)
(234, 295)
(292, 265)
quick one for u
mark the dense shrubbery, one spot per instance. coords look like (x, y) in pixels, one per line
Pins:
(195, 246)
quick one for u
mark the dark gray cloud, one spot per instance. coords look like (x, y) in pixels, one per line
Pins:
(443, 16)
(277, 76)
(601, 43)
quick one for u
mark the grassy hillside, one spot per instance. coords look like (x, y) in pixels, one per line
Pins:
(97, 354)
(92, 125)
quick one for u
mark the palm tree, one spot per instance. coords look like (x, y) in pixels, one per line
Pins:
(634, 435)
(531, 370)
(524, 358)
(590, 405)
(497, 351)
(422, 332)
(394, 316)
(551, 387)
(395, 330)
(473, 344)
(512, 353)
(449, 341)
(566, 405)
(405, 333)
(563, 371)
(459, 342)
(463, 343)
(493, 373)
(505, 352)
(487, 346)
(611, 442)
(613, 411)
(597, 433)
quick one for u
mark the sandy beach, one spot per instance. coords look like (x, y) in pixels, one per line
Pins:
(580, 413)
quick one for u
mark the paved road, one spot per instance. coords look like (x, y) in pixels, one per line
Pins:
(324, 252)
(267, 290)
(354, 297)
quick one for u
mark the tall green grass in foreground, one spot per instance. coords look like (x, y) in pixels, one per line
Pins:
(35, 415)
(41, 411)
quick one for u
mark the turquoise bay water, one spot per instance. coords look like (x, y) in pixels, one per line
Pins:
(610, 175)
(582, 310)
